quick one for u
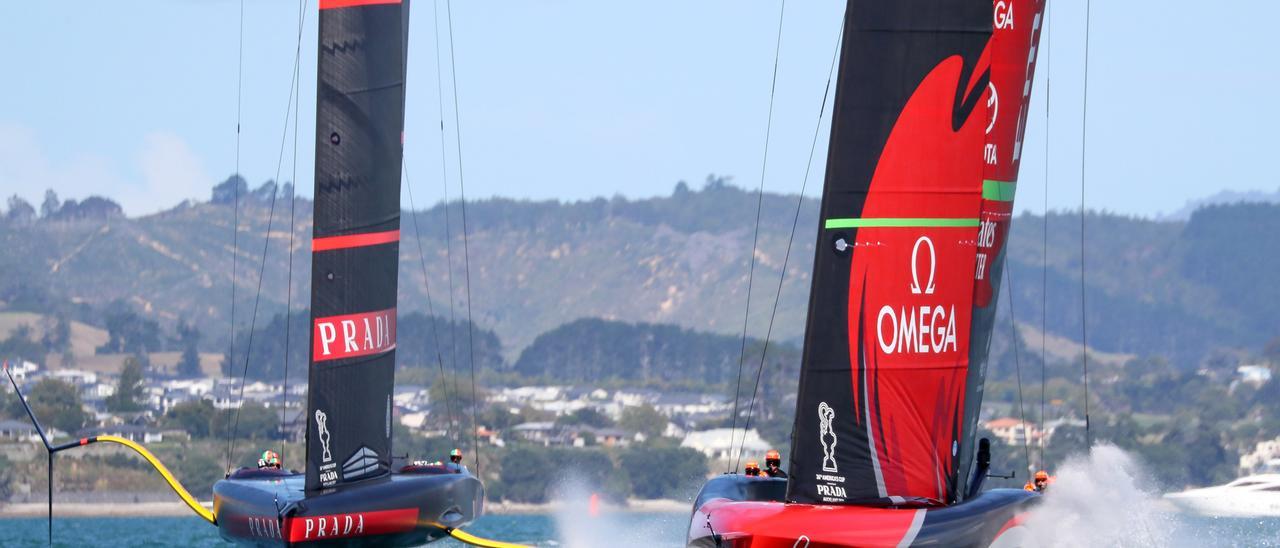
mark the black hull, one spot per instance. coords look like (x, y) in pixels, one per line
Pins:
(395, 510)
(734, 510)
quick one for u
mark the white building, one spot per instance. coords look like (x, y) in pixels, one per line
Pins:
(536, 432)
(75, 376)
(1012, 431)
(18, 431)
(1264, 458)
(723, 443)
(1257, 375)
(414, 421)
(22, 368)
(690, 404)
(195, 387)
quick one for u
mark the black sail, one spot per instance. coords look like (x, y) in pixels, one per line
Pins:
(355, 245)
(926, 129)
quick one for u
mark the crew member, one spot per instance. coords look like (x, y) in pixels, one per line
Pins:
(1041, 481)
(455, 456)
(773, 464)
(270, 460)
(752, 469)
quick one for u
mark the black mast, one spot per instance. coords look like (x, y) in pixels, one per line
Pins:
(355, 246)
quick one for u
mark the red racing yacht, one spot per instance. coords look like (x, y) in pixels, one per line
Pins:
(930, 107)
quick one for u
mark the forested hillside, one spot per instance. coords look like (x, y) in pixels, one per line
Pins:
(1182, 290)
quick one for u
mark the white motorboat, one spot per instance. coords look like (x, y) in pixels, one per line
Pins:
(1249, 496)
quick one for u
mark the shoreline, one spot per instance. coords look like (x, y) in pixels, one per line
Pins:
(178, 509)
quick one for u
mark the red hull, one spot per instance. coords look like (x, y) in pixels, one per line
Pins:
(722, 519)
(770, 524)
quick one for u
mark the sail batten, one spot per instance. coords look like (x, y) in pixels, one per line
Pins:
(921, 175)
(355, 242)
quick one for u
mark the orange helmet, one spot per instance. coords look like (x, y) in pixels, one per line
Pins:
(752, 468)
(772, 454)
(1042, 475)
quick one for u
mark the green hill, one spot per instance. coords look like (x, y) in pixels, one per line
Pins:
(1179, 289)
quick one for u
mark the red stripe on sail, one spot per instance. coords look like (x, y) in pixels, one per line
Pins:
(355, 240)
(353, 335)
(333, 4)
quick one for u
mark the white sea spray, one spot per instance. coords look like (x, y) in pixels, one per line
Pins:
(578, 527)
(1104, 499)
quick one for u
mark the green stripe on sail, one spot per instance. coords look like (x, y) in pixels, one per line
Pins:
(998, 191)
(890, 222)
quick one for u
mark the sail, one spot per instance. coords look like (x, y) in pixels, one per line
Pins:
(930, 106)
(355, 241)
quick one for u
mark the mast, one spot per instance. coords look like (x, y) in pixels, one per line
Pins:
(355, 242)
(926, 131)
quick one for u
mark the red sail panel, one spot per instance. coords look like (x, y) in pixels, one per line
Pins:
(895, 344)
(355, 240)
(1016, 27)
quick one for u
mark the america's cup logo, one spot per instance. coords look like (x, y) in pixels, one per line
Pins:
(827, 436)
(323, 433)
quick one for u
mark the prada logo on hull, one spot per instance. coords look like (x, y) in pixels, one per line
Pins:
(354, 524)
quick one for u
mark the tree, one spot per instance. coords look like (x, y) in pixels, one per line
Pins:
(6, 478)
(524, 474)
(50, 204)
(1272, 351)
(129, 332)
(194, 417)
(57, 404)
(587, 417)
(9, 406)
(189, 364)
(674, 470)
(130, 393)
(255, 422)
(58, 339)
(197, 471)
(21, 345)
(20, 211)
(643, 419)
(227, 191)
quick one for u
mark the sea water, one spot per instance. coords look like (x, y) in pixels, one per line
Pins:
(1100, 500)
(620, 529)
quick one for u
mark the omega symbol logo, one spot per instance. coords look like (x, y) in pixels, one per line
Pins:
(993, 106)
(915, 273)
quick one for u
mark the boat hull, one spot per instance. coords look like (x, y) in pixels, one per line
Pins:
(395, 510)
(1235, 505)
(743, 511)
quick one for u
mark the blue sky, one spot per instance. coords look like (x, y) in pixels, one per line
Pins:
(574, 99)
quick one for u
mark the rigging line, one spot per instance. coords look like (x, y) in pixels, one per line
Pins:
(466, 254)
(444, 180)
(235, 216)
(795, 220)
(1044, 268)
(1084, 131)
(1017, 359)
(426, 284)
(293, 203)
(755, 235)
(253, 321)
(266, 240)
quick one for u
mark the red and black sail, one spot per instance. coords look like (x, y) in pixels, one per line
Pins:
(355, 243)
(926, 132)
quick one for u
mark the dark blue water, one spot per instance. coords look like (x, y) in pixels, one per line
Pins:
(650, 529)
(622, 529)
